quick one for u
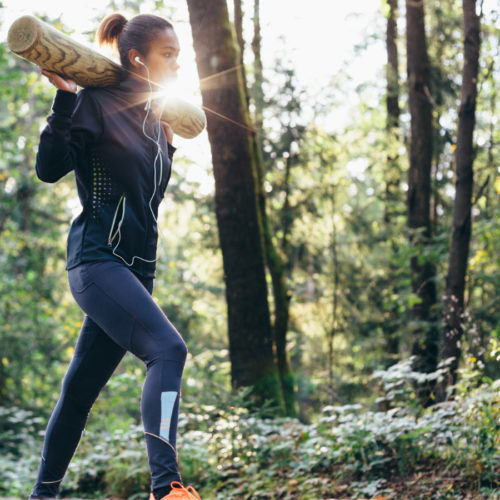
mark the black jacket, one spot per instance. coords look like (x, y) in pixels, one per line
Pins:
(98, 133)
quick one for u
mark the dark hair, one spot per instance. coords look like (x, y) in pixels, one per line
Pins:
(138, 33)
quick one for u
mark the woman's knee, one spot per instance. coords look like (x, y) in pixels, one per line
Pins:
(171, 343)
(164, 343)
(175, 347)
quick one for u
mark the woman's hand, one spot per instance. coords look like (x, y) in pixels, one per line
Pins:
(58, 81)
(168, 131)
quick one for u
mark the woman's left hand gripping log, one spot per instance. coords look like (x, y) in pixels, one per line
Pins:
(58, 81)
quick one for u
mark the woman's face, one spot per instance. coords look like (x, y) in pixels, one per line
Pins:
(162, 57)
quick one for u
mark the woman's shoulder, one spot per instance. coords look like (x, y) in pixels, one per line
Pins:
(96, 96)
(102, 93)
(92, 92)
(89, 94)
(116, 98)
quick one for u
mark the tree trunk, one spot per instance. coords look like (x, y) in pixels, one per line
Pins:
(392, 102)
(453, 300)
(237, 211)
(257, 92)
(238, 28)
(335, 321)
(425, 344)
(393, 172)
(273, 259)
(281, 315)
(392, 107)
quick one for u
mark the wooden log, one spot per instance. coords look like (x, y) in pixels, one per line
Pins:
(43, 45)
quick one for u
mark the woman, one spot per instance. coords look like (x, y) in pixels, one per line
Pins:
(121, 155)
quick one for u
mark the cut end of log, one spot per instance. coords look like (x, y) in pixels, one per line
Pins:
(186, 120)
(23, 34)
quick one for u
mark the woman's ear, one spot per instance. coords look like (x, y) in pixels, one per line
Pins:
(133, 55)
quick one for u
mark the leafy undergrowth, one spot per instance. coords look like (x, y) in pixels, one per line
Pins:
(446, 451)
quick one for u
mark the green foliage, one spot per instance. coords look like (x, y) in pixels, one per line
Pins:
(228, 452)
(31, 246)
(19, 450)
(399, 383)
(113, 463)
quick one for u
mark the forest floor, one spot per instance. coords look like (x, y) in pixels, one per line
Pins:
(428, 482)
(420, 486)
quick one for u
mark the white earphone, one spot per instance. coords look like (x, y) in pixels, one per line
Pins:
(138, 59)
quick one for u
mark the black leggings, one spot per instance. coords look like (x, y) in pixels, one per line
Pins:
(121, 316)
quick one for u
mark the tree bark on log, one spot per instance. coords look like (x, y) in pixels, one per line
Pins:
(40, 43)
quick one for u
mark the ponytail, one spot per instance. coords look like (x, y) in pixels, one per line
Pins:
(110, 28)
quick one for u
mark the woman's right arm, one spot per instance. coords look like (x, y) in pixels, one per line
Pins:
(74, 122)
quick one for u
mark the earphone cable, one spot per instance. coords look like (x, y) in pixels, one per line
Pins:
(158, 156)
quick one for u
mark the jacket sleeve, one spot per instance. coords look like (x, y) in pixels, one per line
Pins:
(75, 123)
(171, 150)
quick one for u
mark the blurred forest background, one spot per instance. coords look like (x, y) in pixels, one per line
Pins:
(337, 286)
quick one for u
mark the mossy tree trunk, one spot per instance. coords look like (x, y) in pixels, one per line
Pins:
(273, 259)
(461, 232)
(237, 208)
(393, 171)
(424, 315)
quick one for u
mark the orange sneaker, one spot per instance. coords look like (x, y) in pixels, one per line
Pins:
(179, 492)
